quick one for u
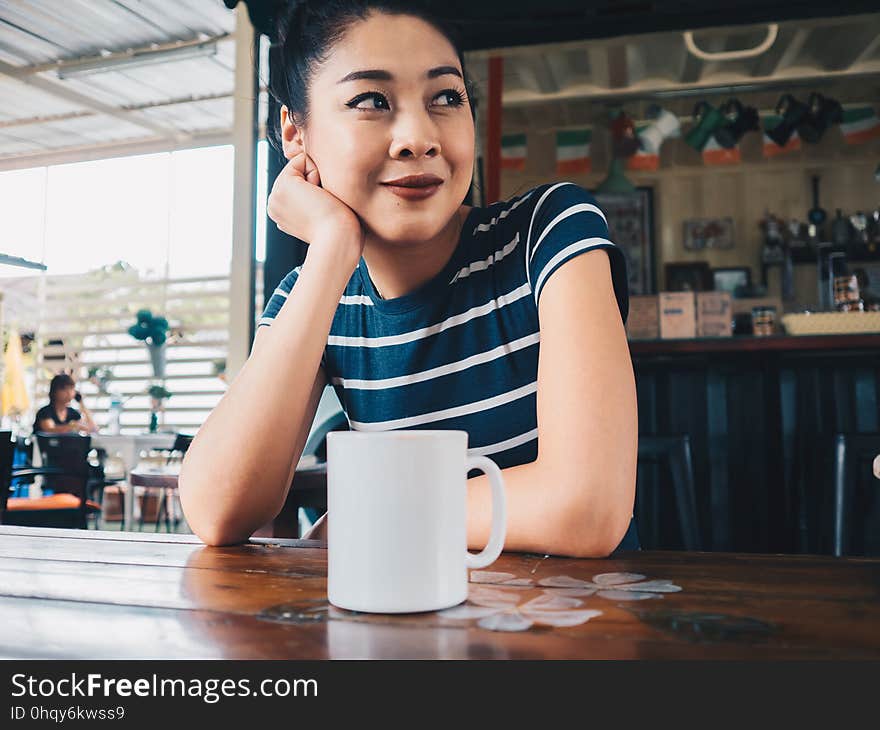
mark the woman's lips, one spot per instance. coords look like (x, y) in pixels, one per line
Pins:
(413, 193)
(414, 187)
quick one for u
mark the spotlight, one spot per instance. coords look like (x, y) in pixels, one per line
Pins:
(822, 113)
(623, 135)
(738, 120)
(707, 120)
(792, 112)
(665, 125)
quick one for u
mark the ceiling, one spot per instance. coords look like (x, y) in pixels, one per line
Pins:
(47, 117)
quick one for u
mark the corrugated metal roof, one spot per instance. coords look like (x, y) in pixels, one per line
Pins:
(187, 102)
(178, 100)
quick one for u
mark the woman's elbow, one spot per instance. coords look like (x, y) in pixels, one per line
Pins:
(208, 525)
(594, 529)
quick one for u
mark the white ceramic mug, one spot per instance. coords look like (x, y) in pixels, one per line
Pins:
(397, 533)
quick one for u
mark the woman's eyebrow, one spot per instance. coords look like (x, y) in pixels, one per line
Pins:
(380, 75)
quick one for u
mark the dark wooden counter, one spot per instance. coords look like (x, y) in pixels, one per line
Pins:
(776, 343)
(761, 414)
(86, 594)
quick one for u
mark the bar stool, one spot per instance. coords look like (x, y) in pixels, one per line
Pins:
(675, 453)
(851, 452)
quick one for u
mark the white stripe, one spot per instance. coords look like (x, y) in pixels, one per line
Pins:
(265, 321)
(404, 337)
(485, 264)
(859, 126)
(572, 152)
(510, 443)
(515, 152)
(466, 409)
(356, 299)
(584, 245)
(441, 370)
(532, 223)
(503, 213)
(567, 213)
(280, 292)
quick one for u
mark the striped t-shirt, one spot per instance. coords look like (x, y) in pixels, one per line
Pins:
(461, 352)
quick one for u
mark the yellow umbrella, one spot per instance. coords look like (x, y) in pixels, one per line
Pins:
(13, 395)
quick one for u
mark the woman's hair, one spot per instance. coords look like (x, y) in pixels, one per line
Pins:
(306, 34)
(59, 382)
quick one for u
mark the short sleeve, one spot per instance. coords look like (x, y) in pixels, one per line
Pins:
(279, 296)
(566, 222)
(73, 414)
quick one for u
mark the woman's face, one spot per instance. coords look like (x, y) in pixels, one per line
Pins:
(390, 102)
(64, 396)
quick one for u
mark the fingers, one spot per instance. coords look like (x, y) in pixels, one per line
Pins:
(301, 165)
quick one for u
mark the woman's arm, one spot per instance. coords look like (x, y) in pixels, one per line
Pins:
(577, 497)
(87, 419)
(238, 469)
(48, 425)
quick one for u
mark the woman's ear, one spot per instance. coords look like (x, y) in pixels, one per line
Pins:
(291, 135)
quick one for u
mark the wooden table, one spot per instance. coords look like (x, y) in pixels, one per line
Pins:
(87, 594)
(309, 490)
(128, 448)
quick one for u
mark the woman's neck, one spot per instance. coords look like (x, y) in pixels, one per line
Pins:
(399, 269)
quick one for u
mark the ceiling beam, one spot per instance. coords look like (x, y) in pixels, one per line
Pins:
(535, 72)
(782, 53)
(59, 90)
(145, 146)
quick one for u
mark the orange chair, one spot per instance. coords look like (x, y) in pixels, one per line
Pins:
(68, 469)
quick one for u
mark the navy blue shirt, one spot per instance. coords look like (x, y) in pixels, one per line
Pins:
(461, 352)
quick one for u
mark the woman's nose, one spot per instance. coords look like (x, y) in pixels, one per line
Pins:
(416, 138)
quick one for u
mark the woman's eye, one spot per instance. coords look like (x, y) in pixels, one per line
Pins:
(370, 101)
(450, 97)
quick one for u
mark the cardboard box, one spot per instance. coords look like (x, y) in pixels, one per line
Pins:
(714, 314)
(678, 316)
(643, 322)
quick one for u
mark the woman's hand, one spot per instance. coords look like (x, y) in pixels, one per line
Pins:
(302, 208)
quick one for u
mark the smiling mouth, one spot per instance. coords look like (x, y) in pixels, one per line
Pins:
(414, 187)
(415, 181)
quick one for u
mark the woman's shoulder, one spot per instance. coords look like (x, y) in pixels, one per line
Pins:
(524, 206)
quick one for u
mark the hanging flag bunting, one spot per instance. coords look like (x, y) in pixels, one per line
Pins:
(513, 152)
(643, 160)
(860, 124)
(715, 154)
(573, 151)
(771, 149)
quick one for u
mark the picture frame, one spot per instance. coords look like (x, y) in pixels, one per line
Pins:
(728, 278)
(702, 233)
(688, 276)
(630, 218)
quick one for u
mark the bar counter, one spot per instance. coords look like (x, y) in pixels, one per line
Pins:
(761, 413)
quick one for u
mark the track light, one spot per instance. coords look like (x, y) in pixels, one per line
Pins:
(738, 120)
(623, 135)
(821, 114)
(707, 119)
(664, 126)
(792, 112)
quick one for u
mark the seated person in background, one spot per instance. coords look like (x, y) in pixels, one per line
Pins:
(58, 416)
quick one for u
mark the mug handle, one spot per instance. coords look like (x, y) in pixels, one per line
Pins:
(490, 553)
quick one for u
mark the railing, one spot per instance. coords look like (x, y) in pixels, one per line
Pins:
(83, 323)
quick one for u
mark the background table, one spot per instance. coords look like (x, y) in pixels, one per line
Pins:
(77, 594)
(129, 447)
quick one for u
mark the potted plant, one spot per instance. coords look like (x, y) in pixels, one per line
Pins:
(153, 331)
(157, 394)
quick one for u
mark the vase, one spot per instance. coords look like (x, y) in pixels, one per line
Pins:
(157, 357)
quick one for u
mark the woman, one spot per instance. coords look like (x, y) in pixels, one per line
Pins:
(58, 416)
(422, 311)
